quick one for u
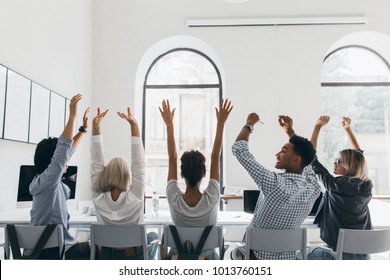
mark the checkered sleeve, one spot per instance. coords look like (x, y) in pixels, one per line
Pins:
(263, 177)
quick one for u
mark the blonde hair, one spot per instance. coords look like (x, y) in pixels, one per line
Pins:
(116, 174)
(354, 163)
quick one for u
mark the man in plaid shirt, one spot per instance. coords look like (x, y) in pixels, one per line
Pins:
(286, 198)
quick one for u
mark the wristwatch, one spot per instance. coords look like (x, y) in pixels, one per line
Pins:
(82, 129)
(249, 126)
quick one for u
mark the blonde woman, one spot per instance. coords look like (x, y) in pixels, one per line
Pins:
(347, 194)
(118, 188)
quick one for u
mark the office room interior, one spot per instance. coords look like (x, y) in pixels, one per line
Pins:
(270, 56)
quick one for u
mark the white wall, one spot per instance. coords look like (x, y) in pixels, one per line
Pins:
(270, 70)
(49, 42)
(73, 45)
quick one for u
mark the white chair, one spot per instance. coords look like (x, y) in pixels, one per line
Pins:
(28, 237)
(276, 240)
(362, 242)
(193, 234)
(118, 237)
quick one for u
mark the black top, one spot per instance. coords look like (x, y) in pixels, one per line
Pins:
(344, 204)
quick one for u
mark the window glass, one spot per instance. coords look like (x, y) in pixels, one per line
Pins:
(182, 67)
(191, 84)
(354, 65)
(366, 101)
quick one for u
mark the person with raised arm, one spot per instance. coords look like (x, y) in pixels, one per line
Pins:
(347, 194)
(194, 208)
(285, 198)
(47, 189)
(118, 188)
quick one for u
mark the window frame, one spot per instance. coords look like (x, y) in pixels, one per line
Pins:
(360, 84)
(182, 86)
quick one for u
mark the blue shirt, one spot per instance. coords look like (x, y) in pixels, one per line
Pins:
(50, 194)
(285, 199)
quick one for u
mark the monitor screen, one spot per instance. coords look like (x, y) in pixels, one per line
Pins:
(27, 173)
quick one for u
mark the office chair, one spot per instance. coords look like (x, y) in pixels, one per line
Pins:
(276, 240)
(28, 236)
(362, 242)
(193, 234)
(118, 237)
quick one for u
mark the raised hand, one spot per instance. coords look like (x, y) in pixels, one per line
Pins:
(346, 122)
(166, 112)
(287, 124)
(85, 118)
(73, 104)
(322, 121)
(128, 117)
(225, 107)
(96, 121)
(252, 119)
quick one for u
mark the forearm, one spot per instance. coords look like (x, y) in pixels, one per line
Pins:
(135, 129)
(97, 159)
(77, 139)
(243, 135)
(68, 131)
(172, 154)
(137, 167)
(352, 139)
(96, 130)
(216, 153)
(314, 136)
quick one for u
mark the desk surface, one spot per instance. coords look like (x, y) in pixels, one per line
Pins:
(379, 216)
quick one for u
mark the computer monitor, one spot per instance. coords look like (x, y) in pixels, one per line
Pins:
(250, 200)
(26, 175)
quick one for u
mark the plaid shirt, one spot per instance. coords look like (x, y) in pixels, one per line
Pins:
(285, 199)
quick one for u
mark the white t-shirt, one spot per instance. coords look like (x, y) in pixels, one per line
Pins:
(128, 208)
(202, 214)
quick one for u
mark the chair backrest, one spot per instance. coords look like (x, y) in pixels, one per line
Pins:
(118, 237)
(362, 241)
(276, 240)
(28, 237)
(193, 234)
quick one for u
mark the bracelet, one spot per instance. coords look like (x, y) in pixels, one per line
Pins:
(82, 129)
(250, 127)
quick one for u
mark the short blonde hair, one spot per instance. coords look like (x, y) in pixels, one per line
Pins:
(354, 163)
(116, 174)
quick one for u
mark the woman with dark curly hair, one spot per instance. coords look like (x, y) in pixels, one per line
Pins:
(194, 208)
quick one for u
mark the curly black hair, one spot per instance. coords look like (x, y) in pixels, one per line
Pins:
(304, 148)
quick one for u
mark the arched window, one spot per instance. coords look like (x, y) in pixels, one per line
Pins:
(192, 83)
(355, 82)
